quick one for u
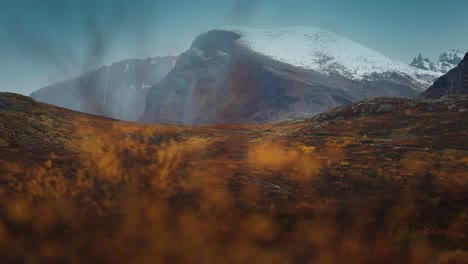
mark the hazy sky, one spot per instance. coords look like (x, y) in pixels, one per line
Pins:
(44, 41)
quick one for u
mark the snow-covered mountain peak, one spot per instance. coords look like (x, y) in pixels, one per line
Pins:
(326, 52)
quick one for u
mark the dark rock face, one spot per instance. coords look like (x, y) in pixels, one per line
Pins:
(454, 82)
(221, 81)
(117, 91)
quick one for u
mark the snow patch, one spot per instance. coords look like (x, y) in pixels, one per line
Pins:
(143, 86)
(323, 51)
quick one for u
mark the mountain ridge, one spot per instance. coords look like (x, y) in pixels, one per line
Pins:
(320, 50)
(222, 79)
(117, 91)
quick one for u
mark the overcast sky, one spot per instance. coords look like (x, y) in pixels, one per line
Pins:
(45, 41)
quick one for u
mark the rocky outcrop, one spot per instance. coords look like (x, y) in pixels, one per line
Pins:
(454, 82)
(117, 91)
(423, 63)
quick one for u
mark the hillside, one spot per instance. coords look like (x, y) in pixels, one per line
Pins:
(381, 180)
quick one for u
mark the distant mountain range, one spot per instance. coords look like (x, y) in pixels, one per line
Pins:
(117, 91)
(244, 75)
(447, 61)
(454, 82)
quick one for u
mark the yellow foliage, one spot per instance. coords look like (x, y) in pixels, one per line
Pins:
(48, 164)
(308, 149)
(272, 156)
(301, 164)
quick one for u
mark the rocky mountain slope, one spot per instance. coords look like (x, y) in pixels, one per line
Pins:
(242, 75)
(117, 91)
(454, 82)
(447, 61)
(378, 181)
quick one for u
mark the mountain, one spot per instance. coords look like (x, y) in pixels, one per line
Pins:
(117, 91)
(447, 61)
(244, 75)
(454, 82)
(367, 182)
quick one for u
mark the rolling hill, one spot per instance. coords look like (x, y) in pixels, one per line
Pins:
(381, 180)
